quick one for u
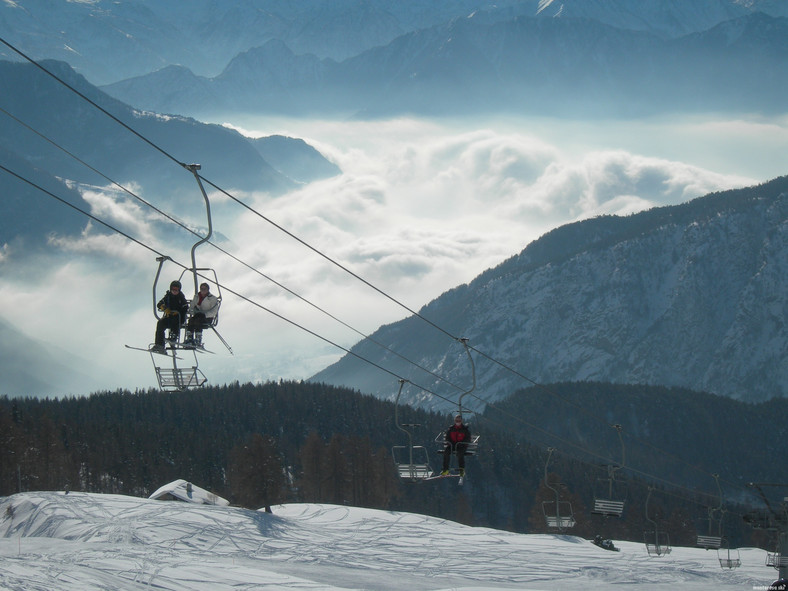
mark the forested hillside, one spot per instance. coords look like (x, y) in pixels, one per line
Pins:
(264, 444)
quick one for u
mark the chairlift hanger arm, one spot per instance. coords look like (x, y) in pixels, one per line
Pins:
(161, 260)
(402, 383)
(464, 342)
(193, 168)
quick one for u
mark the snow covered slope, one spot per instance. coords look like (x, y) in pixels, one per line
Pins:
(85, 542)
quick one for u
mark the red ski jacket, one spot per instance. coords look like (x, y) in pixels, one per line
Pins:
(455, 434)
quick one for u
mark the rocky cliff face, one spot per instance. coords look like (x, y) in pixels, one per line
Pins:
(692, 295)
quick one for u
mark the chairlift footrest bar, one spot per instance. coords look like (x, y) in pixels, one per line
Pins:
(179, 378)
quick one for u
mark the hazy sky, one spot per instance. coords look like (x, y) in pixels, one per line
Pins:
(421, 207)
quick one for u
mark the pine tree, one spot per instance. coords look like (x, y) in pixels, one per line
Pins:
(255, 474)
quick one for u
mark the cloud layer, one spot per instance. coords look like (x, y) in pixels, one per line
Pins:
(420, 208)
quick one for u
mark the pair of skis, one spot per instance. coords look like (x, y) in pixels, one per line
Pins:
(166, 351)
(453, 474)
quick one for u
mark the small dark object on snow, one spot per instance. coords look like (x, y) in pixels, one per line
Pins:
(606, 544)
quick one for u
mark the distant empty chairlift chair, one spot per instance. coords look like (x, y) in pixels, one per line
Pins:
(711, 538)
(558, 514)
(710, 534)
(412, 461)
(657, 541)
(609, 493)
(728, 558)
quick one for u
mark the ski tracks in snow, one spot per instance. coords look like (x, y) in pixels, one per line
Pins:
(86, 542)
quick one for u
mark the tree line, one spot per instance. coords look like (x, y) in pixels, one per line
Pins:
(264, 444)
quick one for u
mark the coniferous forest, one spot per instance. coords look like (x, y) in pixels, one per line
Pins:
(263, 444)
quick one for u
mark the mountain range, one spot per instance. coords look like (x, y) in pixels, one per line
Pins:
(563, 67)
(692, 295)
(377, 57)
(110, 41)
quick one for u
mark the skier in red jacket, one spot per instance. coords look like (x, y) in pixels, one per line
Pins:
(457, 438)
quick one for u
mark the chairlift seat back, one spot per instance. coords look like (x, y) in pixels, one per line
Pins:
(706, 541)
(608, 507)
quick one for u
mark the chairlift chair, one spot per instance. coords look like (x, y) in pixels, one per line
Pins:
(175, 377)
(712, 538)
(558, 514)
(776, 560)
(609, 493)
(726, 558)
(657, 542)
(412, 461)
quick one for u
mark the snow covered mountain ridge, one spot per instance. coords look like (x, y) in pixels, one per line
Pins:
(692, 295)
(107, 41)
(380, 57)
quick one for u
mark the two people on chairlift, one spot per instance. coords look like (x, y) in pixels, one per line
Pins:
(456, 439)
(175, 308)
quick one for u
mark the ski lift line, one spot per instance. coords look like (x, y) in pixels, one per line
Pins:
(268, 220)
(93, 103)
(160, 254)
(669, 483)
(288, 233)
(226, 288)
(317, 251)
(303, 242)
(186, 166)
(205, 239)
(220, 249)
(325, 339)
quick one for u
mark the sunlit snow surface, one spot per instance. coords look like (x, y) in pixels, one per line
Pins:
(84, 542)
